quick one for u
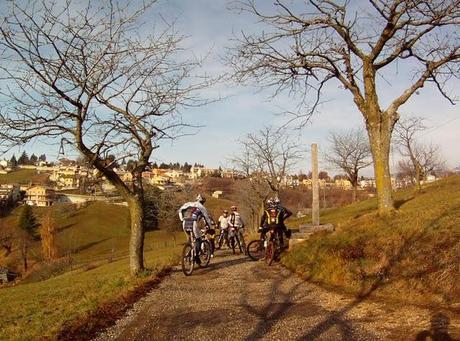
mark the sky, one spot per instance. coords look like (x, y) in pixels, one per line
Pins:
(210, 27)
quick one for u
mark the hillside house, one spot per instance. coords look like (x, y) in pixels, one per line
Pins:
(6, 275)
(160, 181)
(309, 183)
(40, 196)
(201, 172)
(174, 173)
(217, 194)
(68, 177)
(9, 193)
(344, 184)
(367, 183)
(228, 173)
(5, 170)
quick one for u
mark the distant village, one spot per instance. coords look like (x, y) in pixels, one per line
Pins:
(72, 181)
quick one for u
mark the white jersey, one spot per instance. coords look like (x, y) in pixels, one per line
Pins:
(234, 219)
(197, 205)
(223, 222)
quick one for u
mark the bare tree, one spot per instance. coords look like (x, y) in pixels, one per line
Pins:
(350, 151)
(268, 156)
(92, 76)
(305, 47)
(265, 159)
(48, 231)
(6, 238)
(421, 158)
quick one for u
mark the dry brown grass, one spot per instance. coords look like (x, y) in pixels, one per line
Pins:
(412, 256)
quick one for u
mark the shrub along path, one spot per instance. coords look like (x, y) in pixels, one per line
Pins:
(237, 299)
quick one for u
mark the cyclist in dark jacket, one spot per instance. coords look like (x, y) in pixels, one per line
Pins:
(273, 217)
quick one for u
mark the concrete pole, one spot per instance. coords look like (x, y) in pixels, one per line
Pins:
(315, 185)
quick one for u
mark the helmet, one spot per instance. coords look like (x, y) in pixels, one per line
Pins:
(200, 198)
(234, 208)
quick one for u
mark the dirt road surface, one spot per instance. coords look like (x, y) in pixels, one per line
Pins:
(237, 299)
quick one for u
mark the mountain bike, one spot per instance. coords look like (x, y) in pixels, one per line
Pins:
(189, 252)
(234, 239)
(256, 249)
(268, 247)
(273, 246)
(222, 238)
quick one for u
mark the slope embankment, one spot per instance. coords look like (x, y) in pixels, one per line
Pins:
(411, 256)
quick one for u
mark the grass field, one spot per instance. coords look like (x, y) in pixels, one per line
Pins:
(23, 176)
(35, 310)
(95, 238)
(96, 232)
(413, 255)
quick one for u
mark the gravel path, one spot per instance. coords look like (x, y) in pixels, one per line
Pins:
(236, 299)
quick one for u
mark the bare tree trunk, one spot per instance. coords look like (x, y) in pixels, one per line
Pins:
(353, 193)
(136, 242)
(24, 255)
(379, 136)
(418, 176)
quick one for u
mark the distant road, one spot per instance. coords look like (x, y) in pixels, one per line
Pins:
(236, 299)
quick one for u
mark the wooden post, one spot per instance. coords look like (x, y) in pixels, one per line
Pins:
(315, 185)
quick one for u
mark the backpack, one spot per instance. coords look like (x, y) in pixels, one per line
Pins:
(192, 213)
(273, 216)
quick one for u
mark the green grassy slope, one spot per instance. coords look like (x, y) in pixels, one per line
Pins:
(413, 255)
(95, 239)
(36, 310)
(89, 234)
(216, 206)
(23, 176)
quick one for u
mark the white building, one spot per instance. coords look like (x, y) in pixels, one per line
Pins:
(9, 192)
(40, 196)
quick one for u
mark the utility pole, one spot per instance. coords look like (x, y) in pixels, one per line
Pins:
(315, 185)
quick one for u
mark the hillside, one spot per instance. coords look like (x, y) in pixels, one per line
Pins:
(23, 176)
(93, 233)
(95, 240)
(412, 256)
(93, 269)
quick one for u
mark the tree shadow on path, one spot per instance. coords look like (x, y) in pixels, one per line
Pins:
(281, 305)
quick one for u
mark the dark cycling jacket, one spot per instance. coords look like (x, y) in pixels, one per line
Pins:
(275, 216)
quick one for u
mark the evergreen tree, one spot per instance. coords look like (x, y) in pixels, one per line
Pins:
(13, 161)
(154, 165)
(28, 232)
(33, 159)
(23, 159)
(42, 158)
(186, 167)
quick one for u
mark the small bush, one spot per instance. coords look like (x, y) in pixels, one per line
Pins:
(47, 270)
(353, 252)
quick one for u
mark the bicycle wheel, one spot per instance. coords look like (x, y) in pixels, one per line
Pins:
(187, 259)
(205, 254)
(255, 250)
(270, 252)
